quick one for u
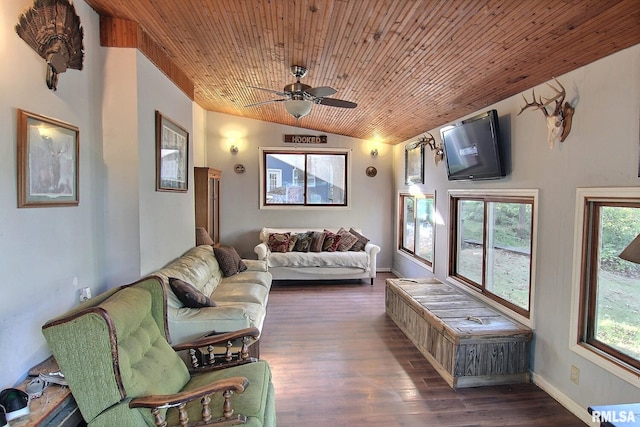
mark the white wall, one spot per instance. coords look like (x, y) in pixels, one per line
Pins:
(371, 198)
(122, 228)
(602, 150)
(46, 254)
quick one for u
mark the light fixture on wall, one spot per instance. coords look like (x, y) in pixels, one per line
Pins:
(374, 152)
(632, 251)
(234, 149)
(297, 107)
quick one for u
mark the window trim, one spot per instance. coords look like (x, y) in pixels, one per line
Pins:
(483, 194)
(295, 150)
(429, 265)
(594, 354)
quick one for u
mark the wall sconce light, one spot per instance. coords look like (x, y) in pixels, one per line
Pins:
(374, 152)
(233, 149)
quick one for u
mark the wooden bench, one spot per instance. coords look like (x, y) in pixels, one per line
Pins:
(469, 343)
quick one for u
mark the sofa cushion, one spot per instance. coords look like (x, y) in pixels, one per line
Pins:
(347, 240)
(279, 242)
(198, 266)
(361, 243)
(188, 295)
(303, 243)
(317, 239)
(229, 261)
(262, 278)
(241, 293)
(331, 241)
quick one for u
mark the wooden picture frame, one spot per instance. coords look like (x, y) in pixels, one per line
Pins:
(414, 164)
(172, 155)
(47, 157)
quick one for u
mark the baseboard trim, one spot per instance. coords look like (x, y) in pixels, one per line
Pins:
(563, 399)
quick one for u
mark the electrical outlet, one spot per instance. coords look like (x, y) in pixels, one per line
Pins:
(85, 294)
(575, 374)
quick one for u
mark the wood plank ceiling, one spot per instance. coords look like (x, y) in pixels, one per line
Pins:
(410, 66)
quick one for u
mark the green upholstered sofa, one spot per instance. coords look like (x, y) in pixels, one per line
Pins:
(114, 354)
(241, 298)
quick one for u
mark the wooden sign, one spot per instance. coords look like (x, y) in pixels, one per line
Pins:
(305, 139)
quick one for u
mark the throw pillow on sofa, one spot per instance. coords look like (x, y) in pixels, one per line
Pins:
(347, 240)
(202, 237)
(189, 295)
(279, 242)
(361, 243)
(229, 261)
(331, 241)
(303, 244)
(292, 242)
(317, 239)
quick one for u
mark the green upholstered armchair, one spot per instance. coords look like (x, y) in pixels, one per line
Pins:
(122, 371)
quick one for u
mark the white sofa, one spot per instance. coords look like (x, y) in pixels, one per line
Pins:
(338, 265)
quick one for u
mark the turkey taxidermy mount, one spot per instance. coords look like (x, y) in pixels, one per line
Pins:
(52, 28)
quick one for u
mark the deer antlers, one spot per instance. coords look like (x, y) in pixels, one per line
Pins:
(559, 121)
(430, 141)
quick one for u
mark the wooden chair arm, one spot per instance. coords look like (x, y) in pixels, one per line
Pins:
(215, 338)
(235, 384)
(203, 354)
(227, 387)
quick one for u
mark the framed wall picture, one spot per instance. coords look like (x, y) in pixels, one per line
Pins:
(47, 161)
(414, 163)
(172, 155)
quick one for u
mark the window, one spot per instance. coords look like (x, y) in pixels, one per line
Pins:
(313, 178)
(610, 286)
(417, 226)
(492, 244)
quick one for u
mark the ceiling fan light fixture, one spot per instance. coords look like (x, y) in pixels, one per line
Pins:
(298, 107)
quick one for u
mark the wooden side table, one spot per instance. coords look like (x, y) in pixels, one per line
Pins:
(55, 408)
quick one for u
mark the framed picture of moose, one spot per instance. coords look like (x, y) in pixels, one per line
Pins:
(47, 161)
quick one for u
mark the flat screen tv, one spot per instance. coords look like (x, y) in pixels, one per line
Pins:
(473, 149)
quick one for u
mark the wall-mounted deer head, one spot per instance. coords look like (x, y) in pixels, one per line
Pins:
(559, 120)
(430, 142)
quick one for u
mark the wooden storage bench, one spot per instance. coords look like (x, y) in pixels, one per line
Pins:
(469, 343)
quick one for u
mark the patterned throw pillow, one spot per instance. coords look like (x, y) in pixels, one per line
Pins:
(360, 244)
(304, 242)
(317, 239)
(292, 242)
(229, 261)
(331, 241)
(189, 295)
(347, 240)
(279, 242)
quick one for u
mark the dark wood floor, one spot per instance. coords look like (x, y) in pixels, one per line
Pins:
(338, 360)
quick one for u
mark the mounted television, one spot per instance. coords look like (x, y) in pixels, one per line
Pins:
(473, 149)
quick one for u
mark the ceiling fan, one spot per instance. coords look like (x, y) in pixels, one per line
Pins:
(299, 97)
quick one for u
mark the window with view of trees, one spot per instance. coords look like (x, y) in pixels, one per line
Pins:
(610, 286)
(492, 244)
(313, 178)
(417, 226)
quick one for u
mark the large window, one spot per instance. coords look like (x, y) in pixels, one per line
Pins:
(609, 322)
(492, 244)
(416, 226)
(313, 178)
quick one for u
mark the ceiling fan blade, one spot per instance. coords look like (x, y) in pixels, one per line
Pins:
(321, 91)
(266, 102)
(333, 102)
(269, 90)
